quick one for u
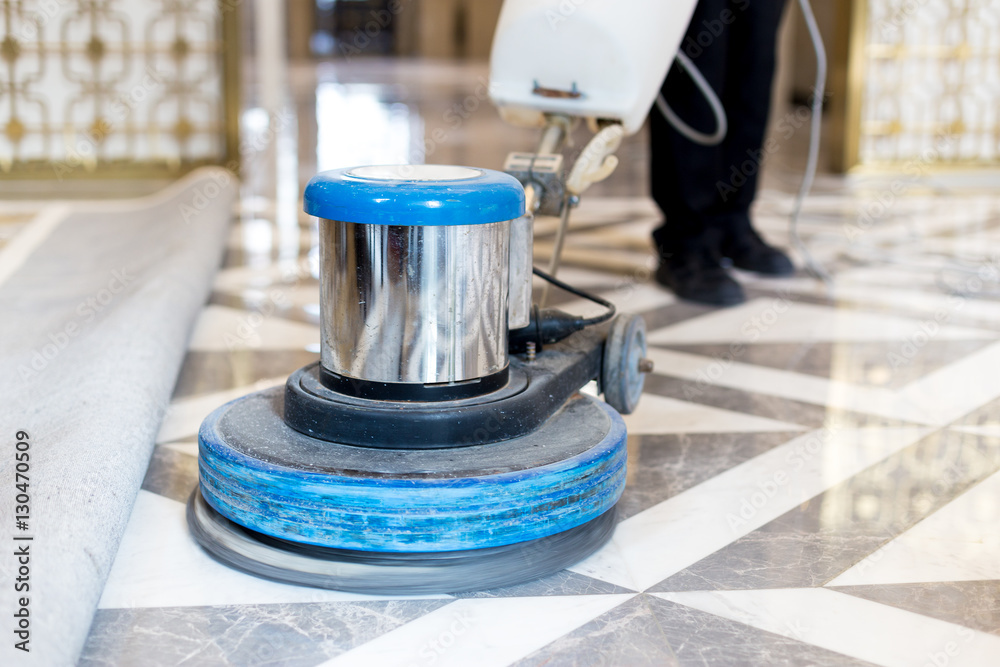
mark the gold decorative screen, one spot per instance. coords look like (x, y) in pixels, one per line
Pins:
(923, 82)
(116, 87)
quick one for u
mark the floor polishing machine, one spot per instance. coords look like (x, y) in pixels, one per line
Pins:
(441, 442)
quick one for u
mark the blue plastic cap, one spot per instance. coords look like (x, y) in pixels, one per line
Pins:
(415, 194)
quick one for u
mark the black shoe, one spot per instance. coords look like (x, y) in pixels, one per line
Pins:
(695, 275)
(748, 251)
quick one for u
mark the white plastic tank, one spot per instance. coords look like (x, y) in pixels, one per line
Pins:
(587, 58)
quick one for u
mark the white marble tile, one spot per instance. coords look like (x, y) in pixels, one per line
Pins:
(184, 416)
(983, 244)
(612, 261)
(189, 446)
(637, 253)
(280, 296)
(603, 209)
(913, 219)
(10, 227)
(921, 275)
(23, 207)
(664, 539)
(924, 303)
(787, 384)
(913, 301)
(659, 414)
(849, 625)
(486, 632)
(990, 430)
(221, 329)
(633, 235)
(160, 565)
(803, 285)
(276, 273)
(957, 388)
(767, 320)
(259, 237)
(17, 250)
(582, 278)
(959, 542)
(302, 295)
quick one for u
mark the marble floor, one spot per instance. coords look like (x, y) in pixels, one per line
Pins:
(814, 476)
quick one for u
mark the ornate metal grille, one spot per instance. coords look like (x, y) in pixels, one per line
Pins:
(926, 74)
(123, 87)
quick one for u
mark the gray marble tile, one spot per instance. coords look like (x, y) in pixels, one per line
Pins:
(233, 257)
(661, 466)
(831, 532)
(737, 400)
(753, 291)
(768, 560)
(974, 604)
(863, 364)
(761, 405)
(958, 318)
(171, 474)
(560, 583)
(290, 635)
(649, 631)
(674, 313)
(985, 414)
(207, 372)
(627, 635)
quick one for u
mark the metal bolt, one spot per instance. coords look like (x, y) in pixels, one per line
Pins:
(530, 351)
(645, 365)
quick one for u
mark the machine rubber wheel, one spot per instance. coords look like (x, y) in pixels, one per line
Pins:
(621, 378)
(392, 573)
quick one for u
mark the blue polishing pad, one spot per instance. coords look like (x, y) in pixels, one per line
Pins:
(263, 475)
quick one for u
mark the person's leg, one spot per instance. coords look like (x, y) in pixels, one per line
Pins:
(678, 166)
(684, 174)
(746, 97)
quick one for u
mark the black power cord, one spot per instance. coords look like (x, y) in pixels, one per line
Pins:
(551, 325)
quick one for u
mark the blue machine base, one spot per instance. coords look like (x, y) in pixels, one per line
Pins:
(265, 476)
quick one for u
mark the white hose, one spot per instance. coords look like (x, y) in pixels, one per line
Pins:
(718, 111)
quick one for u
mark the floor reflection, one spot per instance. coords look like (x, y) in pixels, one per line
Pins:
(358, 124)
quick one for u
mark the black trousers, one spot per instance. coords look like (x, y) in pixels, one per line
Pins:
(705, 192)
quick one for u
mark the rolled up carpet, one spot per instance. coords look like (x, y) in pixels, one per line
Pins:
(97, 301)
